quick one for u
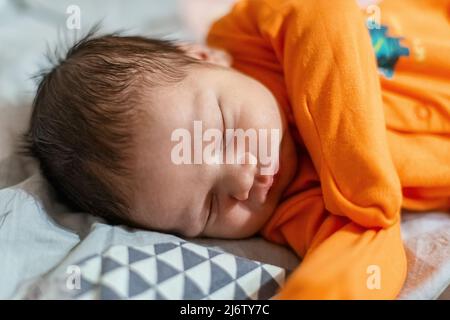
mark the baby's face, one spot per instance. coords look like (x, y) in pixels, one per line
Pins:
(192, 184)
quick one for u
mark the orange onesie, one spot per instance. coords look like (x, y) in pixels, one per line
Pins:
(370, 141)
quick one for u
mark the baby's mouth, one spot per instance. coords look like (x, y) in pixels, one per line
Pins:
(264, 180)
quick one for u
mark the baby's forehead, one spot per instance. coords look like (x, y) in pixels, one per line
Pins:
(168, 108)
(170, 113)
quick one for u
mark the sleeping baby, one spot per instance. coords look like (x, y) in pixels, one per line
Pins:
(284, 126)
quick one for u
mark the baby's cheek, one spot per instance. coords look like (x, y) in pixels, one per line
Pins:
(239, 222)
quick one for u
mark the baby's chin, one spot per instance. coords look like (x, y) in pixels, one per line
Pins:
(245, 222)
(237, 232)
(257, 214)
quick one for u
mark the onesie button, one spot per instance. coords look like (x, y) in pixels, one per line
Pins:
(423, 112)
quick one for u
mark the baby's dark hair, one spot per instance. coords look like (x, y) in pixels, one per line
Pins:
(84, 114)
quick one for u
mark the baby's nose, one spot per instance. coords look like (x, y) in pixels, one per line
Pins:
(242, 176)
(241, 196)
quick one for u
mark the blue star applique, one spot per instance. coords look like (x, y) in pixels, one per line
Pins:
(387, 50)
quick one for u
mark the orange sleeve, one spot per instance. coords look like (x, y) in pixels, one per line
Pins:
(352, 221)
(341, 259)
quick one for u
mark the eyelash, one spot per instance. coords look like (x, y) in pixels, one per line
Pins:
(223, 145)
(211, 206)
(224, 142)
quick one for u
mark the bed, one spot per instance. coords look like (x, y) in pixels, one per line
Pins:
(48, 252)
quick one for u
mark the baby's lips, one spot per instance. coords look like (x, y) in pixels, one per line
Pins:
(261, 187)
(265, 180)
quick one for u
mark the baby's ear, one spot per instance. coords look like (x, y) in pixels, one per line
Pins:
(207, 54)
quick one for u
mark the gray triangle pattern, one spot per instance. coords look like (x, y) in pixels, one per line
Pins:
(245, 266)
(109, 264)
(191, 290)
(164, 247)
(269, 286)
(136, 255)
(212, 253)
(190, 258)
(219, 277)
(136, 284)
(164, 271)
(106, 293)
(239, 293)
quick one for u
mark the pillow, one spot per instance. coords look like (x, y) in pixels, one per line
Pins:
(175, 270)
(168, 270)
